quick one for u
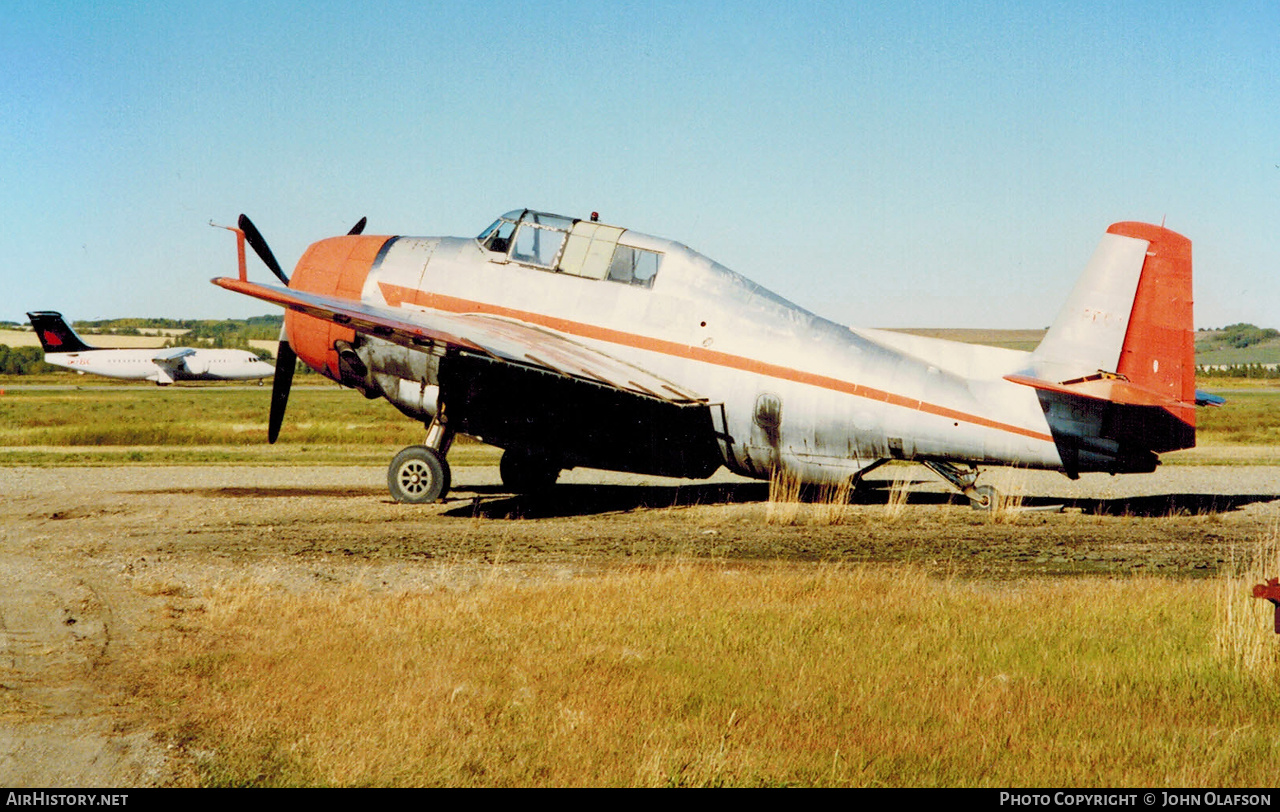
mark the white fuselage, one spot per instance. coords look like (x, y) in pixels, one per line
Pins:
(142, 364)
(797, 390)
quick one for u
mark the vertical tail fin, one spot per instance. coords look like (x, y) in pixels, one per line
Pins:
(55, 334)
(1159, 352)
(1128, 321)
(1116, 371)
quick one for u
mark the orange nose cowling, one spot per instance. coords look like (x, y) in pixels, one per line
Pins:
(334, 267)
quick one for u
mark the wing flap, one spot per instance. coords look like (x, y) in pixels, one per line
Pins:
(497, 338)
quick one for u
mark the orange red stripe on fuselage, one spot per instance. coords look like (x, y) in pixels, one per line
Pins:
(396, 295)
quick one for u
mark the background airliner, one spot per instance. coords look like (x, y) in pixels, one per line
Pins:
(63, 348)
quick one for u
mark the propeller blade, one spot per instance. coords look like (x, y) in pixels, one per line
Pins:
(254, 238)
(286, 360)
(358, 228)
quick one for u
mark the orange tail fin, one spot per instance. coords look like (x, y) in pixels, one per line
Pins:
(1159, 354)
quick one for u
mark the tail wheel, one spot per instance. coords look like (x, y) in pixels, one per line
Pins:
(525, 472)
(418, 475)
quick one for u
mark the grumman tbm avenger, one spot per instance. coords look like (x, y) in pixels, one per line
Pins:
(569, 342)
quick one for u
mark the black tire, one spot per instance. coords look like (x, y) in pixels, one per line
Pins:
(523, 472)
(418, 475)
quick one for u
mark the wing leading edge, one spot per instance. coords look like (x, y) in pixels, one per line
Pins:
(496, 338)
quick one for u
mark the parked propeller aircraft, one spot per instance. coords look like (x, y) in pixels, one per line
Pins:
(63, 348)
(568, 342)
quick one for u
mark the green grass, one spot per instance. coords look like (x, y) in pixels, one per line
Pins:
(191, 416)
(144, 424)
(324, 425)
(1247, 418)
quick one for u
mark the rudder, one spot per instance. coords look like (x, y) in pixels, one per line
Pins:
(1159, 353)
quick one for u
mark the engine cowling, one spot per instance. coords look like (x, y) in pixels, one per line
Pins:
(338, 267)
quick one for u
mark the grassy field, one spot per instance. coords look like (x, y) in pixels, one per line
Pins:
(682, 674)
(143, 424)
(107, 424)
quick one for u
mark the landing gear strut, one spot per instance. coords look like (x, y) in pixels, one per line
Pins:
(420, 473)
(855, 481)
(981, 497)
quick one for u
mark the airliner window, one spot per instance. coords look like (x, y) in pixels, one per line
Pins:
(634, 266)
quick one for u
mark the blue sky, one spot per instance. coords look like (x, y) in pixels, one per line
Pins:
(900, 164)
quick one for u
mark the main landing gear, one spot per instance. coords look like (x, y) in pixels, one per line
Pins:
(527, 472)
(420, 473)
(981, 497)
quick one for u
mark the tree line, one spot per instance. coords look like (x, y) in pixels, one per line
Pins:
(23, 361)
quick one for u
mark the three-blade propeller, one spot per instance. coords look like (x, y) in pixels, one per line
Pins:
(259, 245)
(286, 358)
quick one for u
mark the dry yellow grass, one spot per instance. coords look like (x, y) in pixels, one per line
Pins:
(1246, 637)
(831, 507)
(676, 674)
(896, 505)
(783, 506)
(1008, 504)
(826, 504)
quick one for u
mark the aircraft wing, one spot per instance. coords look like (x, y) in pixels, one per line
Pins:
(172, 355)
(508, 340)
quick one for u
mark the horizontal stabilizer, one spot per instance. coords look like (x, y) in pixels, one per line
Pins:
(1204, 398)
(1102, 387)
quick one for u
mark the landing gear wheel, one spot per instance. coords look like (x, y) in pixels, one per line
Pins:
(523, 472)
(418, 475)
(983, 497)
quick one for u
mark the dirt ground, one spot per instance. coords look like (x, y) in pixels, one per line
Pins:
(95, 562)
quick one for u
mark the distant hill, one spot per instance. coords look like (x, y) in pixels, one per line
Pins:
(1235, 345)
(261, 328)
(1238, 344)
(1214, 347)
(1008, 339)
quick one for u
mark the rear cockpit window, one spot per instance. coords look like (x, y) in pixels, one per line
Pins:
(634, 266)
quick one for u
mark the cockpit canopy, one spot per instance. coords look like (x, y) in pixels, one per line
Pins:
(565, 245)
